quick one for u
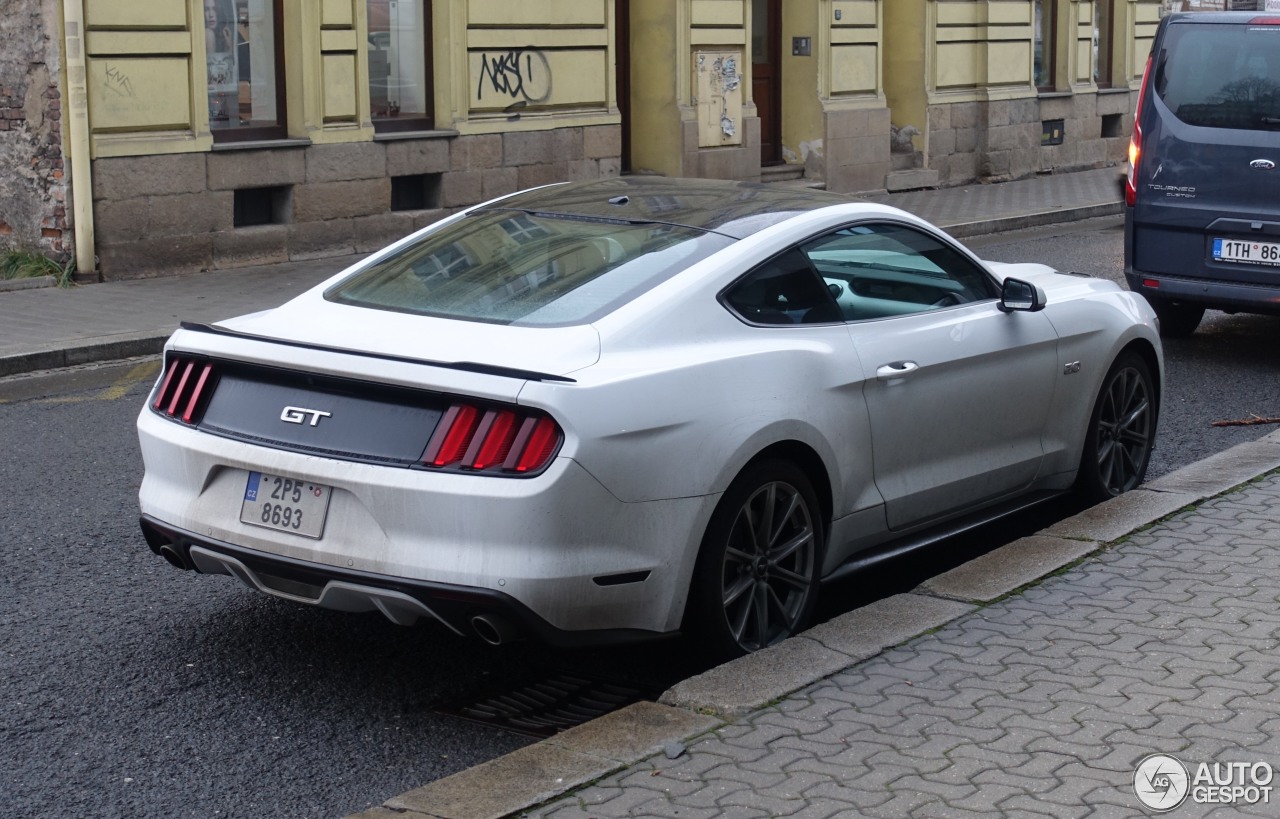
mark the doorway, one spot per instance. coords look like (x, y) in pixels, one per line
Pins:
(766, 76)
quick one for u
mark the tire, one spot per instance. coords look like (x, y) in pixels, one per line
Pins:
(1121, 434)
(748, 591)
(1177, 319)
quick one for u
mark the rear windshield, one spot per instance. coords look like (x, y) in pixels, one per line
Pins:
(514, 267)
(1221, 76)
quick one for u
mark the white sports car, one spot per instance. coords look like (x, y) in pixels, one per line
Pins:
(626, 408)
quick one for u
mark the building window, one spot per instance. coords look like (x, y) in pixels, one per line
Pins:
(1102, 43)
(400, 82)
(244, 48)
(1046, 12)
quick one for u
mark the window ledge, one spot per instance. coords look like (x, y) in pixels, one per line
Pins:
(392, 136)
(1113, 90)
(1052, 95)
(258, 144)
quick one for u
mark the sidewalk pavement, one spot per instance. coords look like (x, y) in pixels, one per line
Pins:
(1031, 681)
(47, 328)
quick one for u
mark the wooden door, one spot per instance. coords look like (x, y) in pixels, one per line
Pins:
(766, 76)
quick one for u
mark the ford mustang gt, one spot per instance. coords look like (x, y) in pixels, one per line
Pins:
(637, 407)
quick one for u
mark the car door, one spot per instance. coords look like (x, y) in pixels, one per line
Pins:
(957, 391)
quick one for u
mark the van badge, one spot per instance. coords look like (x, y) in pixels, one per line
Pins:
(1262, 165)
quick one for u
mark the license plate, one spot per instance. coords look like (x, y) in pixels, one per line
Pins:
(1235, 250)
(285, 504)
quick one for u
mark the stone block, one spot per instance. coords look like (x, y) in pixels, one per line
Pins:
(942, 143)
(232, 170)
(601, 141)
(1116, 102)
(911, 180)
(499, 182)
(120, 220)
(190, 213)
(939, 118)
(528, 148)
(318, 240)
(610, 166)
(376, 232)
(476, 152)
(137, 176)
(422, 218)
(462, 188)
(1057, 108)
(341, 200)
(1024, 111)
(965, 114)
(1007, 568)
(249, 246)
(857, 178)
(531, 176)
(346, 161)
(729, 163)
(415, 156)
(581, 170)
(148, 258)
(566, 144)
(966, 140)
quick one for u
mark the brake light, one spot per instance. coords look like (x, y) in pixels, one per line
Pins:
(492, 440)
(1265, 21)
(186, 382)
(1135, 141)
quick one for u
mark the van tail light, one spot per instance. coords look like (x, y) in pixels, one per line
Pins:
(493, 440)
(1264, 21)
(187, 383)
(1135, 141)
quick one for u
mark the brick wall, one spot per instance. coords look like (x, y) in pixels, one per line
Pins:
(33, 186)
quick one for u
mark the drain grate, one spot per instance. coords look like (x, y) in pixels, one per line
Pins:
(546, 707)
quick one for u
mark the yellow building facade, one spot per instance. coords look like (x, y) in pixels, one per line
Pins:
(208, 134)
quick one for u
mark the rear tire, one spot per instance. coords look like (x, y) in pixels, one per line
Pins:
(1122, 426)
(1177, 319)
(756, 579)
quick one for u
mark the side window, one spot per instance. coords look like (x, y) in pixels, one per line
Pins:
(783, 290)
(880, 270)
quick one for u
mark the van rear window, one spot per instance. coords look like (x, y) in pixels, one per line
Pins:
(1221, 76)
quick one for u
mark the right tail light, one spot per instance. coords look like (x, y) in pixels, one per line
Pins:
(495, 441)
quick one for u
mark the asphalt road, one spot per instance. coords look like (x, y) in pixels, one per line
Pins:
(131, 689)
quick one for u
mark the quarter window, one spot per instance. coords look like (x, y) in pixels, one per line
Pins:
(784, 290)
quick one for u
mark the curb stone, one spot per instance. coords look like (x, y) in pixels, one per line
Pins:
(553, 767)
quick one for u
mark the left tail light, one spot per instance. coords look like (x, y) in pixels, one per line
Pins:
(184, 391)
(493, 440)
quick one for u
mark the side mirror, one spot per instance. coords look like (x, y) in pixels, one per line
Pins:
(1016, 294)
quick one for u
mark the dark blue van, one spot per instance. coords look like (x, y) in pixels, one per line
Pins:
(1202, 216)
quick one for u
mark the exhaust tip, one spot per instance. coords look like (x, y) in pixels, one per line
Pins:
(492, 629)
(174, 557)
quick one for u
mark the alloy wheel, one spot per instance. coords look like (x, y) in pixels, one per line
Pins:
(1124, 429)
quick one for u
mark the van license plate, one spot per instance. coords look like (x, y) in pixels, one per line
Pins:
(1234, 250)
(285, 504)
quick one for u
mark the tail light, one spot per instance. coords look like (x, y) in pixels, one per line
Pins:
(505, 440)
(1135, 141)
(187, 382)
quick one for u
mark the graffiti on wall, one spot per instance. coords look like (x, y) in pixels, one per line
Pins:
(519, 74)
(718, 97)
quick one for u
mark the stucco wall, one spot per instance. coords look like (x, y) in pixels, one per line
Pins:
(33, 186)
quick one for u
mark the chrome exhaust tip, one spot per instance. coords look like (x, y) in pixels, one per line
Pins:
(493, 629)
(174, 557)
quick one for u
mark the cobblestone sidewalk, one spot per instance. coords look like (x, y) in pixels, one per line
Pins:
(1041, 704)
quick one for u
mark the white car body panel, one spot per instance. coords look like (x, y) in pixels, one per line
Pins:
(662, 402)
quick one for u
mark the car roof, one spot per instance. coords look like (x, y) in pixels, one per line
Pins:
(1236, 17)
(735, 209)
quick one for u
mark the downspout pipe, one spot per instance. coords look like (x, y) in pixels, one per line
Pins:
(77, 138)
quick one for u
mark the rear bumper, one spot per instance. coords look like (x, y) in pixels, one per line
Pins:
(402, 600)
(1229, 296)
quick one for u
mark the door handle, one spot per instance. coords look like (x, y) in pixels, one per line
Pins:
(897, 369)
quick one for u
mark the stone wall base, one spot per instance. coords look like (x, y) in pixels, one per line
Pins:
(186, 213)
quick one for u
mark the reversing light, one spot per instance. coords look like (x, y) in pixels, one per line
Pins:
(495, 441)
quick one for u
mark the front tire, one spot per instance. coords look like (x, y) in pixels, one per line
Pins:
(1122, 427)
(756, 578)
